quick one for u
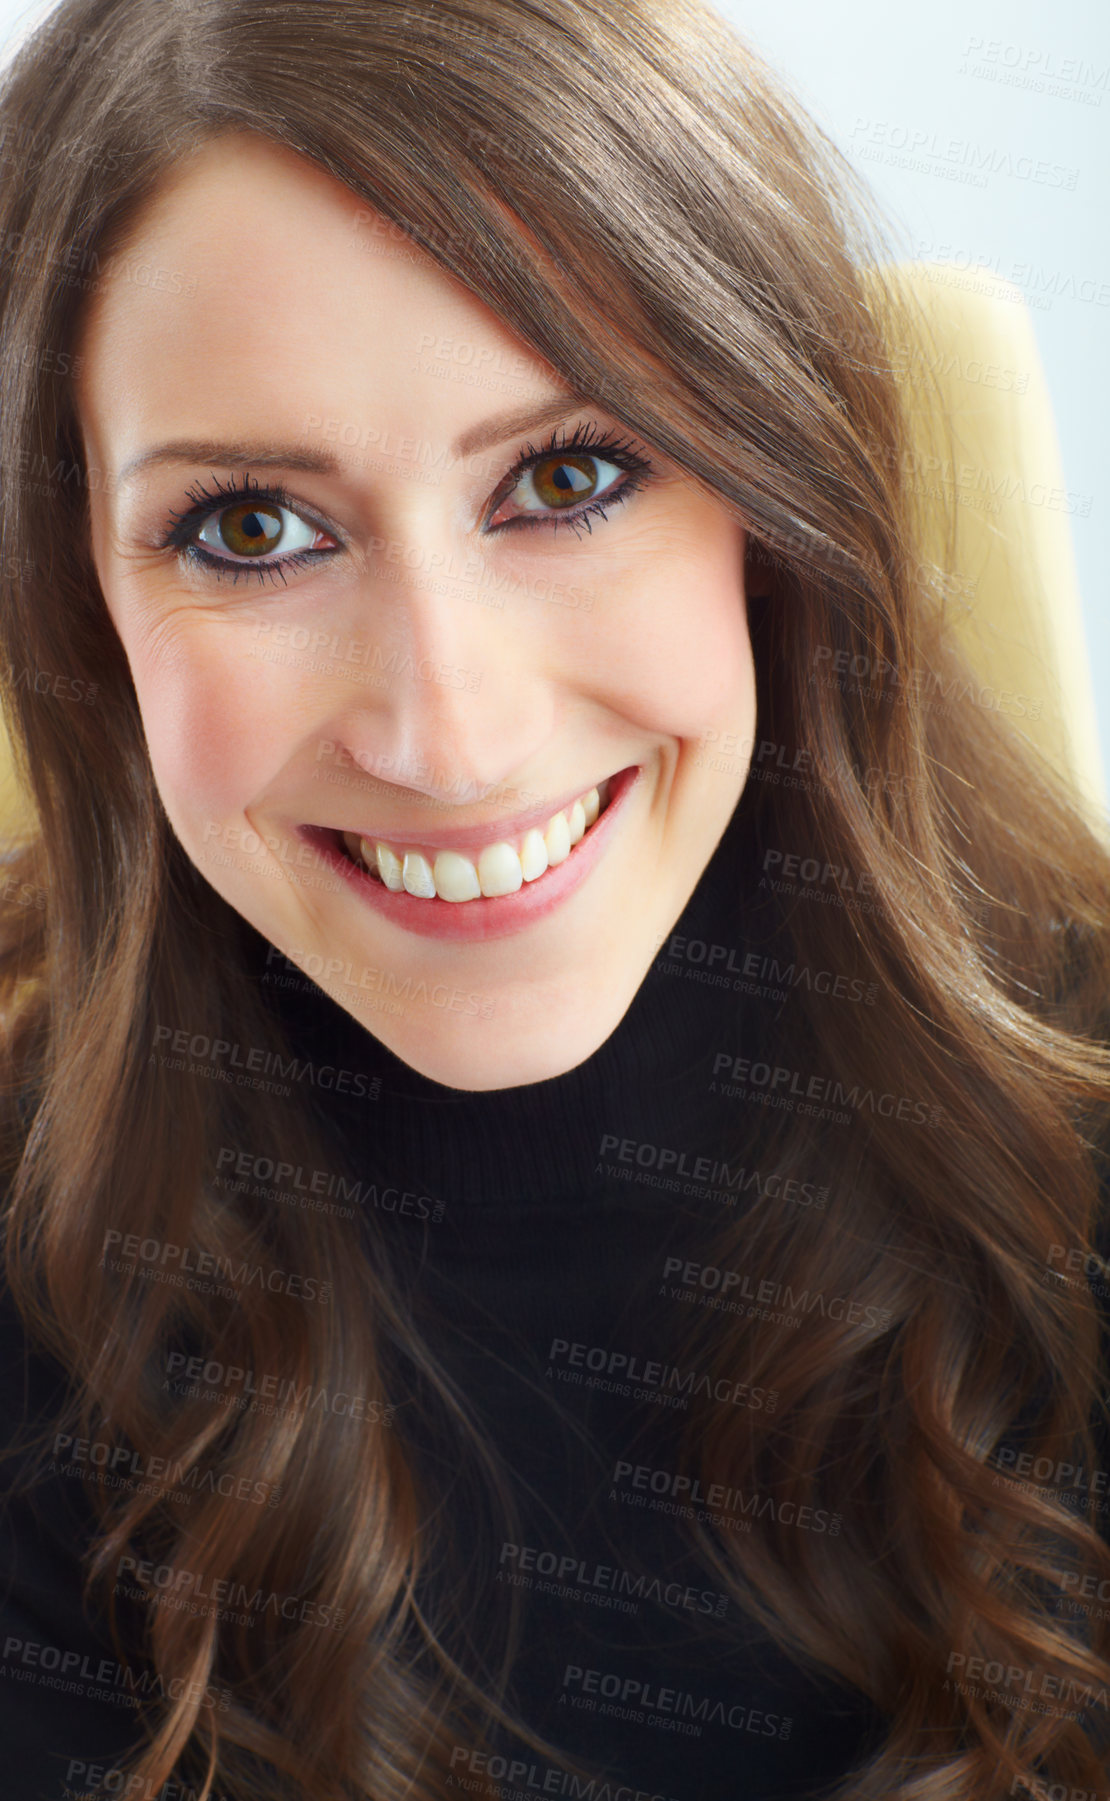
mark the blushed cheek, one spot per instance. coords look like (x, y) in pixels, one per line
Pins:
(679, 656)
(216, 741)
(712, 670)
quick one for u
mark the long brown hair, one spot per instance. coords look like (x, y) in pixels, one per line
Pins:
(624, 184)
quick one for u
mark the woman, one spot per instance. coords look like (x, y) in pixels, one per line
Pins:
(536, 1261)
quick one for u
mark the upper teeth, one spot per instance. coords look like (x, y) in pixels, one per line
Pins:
(501, 868)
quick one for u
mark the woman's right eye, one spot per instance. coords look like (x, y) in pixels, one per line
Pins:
(254, 531)
(255, 527)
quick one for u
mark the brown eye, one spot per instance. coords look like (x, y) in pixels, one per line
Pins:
(248, 530)
(560, 480)
(565, 482)
(251, 529)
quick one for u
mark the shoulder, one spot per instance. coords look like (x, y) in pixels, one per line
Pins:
(63, 1694)
(33, 1392)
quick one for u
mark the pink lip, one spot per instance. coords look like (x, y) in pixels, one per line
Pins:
(477, 920)
(476, 837)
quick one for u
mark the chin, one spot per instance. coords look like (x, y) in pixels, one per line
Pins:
(506, 1050)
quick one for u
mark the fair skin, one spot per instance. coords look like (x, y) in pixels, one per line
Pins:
(429, 670)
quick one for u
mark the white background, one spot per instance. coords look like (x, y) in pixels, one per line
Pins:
(876, 76)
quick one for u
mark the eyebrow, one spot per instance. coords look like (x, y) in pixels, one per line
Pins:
(510, 425)
(322, 462)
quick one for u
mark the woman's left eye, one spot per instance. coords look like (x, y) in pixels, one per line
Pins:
(560, 484)
(564, 483)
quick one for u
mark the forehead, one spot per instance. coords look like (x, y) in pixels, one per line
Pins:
(254, 281)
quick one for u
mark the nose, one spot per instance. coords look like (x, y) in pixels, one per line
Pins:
(461, 697)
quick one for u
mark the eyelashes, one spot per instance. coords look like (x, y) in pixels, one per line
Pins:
(562, 465)
(260, 507)
(587, 444)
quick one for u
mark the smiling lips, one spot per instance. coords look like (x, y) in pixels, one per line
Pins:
(500, 868)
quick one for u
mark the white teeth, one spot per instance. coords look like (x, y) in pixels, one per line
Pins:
(456, 878)
(388, 864)
(416, 872)
(500, 868)
(557, 839)
(533, 855)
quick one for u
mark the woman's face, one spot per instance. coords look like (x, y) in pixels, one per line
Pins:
(356, 616)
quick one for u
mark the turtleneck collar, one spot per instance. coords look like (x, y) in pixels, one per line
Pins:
(548, 1142)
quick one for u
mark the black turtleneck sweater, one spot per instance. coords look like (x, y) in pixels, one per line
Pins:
(540, 1250)
(539, 1236)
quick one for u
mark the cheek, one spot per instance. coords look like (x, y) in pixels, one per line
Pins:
(677, 651)
(214, 731)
